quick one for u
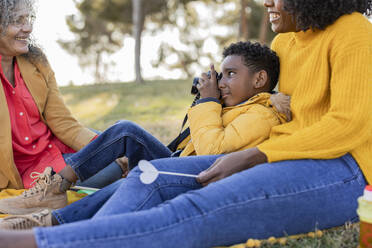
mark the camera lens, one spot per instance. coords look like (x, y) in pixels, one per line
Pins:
(194, 89)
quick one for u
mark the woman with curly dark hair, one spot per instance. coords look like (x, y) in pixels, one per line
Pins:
(306, 176)
(37, 129)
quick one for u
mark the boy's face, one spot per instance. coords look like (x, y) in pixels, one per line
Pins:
(238, 82)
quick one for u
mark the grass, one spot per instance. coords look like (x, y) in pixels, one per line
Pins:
(341, 237)
(159, 106)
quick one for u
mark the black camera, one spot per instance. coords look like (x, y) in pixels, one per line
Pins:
(194, 89)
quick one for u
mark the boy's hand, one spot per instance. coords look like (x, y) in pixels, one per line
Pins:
(208, 87)
(231, 163)
(124, 165)
(282, 103)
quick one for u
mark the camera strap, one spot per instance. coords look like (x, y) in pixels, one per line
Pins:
(183, 134)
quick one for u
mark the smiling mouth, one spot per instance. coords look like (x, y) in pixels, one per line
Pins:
(274, 16)
(224, 95)
(21, 39)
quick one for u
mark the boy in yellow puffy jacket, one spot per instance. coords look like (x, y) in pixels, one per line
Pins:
(234, 112)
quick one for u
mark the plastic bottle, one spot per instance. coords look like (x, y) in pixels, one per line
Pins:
(365, 216)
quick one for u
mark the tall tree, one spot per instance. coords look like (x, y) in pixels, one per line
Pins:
(264, 27)
(241, 20)
(188, 28)
(93, 39)
(189, 20)
(101, 26)
(244, 26)
(138, 23)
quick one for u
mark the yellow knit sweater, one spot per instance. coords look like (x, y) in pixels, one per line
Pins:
(329, 77)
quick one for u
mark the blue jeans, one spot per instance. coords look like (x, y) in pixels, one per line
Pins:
(124, 138)
(271, 199)
(106, 176)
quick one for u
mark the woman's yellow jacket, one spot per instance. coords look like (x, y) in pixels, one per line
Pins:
(218, 130)
(42, 85)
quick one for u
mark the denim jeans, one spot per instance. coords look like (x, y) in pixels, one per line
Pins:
(124, 138)
(106, 176)
(271, 199)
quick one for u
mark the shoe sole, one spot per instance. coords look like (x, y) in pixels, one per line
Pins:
(23, 211)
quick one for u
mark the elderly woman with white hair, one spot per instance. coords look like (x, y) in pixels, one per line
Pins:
(37, 129)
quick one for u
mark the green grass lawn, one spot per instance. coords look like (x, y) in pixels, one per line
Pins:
(342, 237)
(159, 106)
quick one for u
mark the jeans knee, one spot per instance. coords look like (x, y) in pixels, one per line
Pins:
(127, 127)
(135, 172)
(124, 123)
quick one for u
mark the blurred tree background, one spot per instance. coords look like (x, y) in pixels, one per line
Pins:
(102, 25)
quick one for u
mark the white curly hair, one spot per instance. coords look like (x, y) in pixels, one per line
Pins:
(8, 13)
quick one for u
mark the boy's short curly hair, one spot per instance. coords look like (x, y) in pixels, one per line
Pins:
(318, 14)
(257, 57)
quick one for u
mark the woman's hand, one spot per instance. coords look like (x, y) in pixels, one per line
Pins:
(230, 164)
(208, 86)
(282, 103)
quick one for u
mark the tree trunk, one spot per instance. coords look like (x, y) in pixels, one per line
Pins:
(263, 27)
(244, 28)
(97, 74)
(138, 22)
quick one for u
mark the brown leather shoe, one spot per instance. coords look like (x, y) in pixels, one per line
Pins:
(22, 222)
(49, 192)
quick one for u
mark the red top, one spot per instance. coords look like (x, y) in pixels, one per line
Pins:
(34, 145)
(368, 188)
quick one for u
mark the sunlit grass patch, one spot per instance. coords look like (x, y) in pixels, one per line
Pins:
(158, 106)
(95, 107)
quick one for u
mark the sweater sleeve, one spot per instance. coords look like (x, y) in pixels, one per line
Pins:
(348, 122)
(209, 136)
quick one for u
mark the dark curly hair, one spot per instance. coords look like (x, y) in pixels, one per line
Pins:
(318, 14)
(257, 57)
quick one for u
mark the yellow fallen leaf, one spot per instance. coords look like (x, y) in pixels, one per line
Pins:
(272, 240)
